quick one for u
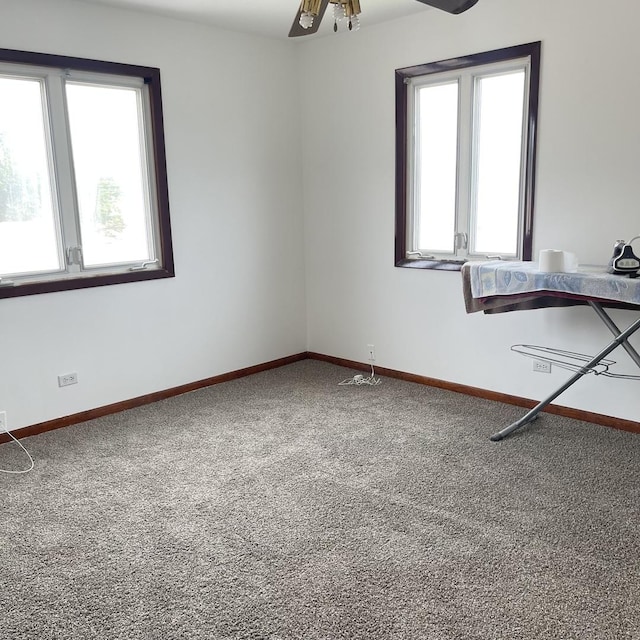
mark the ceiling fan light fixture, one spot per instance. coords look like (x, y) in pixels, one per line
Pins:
(346, 9)
(309, 15)
(309, 9)
(306, 20)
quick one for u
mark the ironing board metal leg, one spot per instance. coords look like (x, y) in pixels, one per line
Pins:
(604, 316)
(620, 339)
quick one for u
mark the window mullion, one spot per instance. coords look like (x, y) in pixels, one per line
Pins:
(524, 155)
(66, 194)
(413, 159)
(149, 174)
(466, 176)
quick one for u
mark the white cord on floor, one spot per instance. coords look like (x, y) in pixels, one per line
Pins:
(360, 379)
(22, 447)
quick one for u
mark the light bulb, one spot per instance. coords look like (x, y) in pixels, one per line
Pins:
(338, 12)
(354, 23)
(306, 20)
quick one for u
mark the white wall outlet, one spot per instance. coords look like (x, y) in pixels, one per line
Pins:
(67, 379)
(542, 366)
(371, 350)
(3, 421)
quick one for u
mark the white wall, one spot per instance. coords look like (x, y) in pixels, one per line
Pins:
(586, 196)
(233, 147)
(233, 150)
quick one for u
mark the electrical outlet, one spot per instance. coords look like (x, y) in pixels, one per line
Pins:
(67, 379)
(542, 366)
(371, 349)
(3, 421)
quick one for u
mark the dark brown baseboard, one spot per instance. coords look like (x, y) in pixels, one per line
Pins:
(83, 416)
(567, 412)
(110, 409)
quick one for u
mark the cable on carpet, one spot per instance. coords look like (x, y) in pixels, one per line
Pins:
(23, 448)
(359, 379)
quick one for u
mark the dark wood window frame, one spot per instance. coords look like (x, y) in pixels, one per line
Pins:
(151, 78)
(402, 76)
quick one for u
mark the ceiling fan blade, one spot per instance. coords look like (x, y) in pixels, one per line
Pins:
(297, 30)
(450, 6)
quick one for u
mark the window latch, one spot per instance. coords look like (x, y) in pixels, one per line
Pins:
(460, 240)
(419, 254)
(494, 257)
(143, 266)
(74, 255)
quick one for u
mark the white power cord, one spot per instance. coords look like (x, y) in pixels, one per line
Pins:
(359, 379)
(22, 447)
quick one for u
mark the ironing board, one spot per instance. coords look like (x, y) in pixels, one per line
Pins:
(498, 287)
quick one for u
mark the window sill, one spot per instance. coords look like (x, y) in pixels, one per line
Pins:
(84, 282)
(436, 265)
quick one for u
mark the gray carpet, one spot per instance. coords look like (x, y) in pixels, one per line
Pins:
(282, 506)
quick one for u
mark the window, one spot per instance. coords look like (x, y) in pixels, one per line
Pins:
(465, 158)
(83, 185)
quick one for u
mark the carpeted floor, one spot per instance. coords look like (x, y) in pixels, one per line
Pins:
(283, 506)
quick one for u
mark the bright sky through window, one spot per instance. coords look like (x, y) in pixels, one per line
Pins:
(28, 233)
(108, 158)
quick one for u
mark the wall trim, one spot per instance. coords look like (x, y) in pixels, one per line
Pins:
(567, 412)
(107, 410)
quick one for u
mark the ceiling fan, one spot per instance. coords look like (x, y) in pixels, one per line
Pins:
(311, 12)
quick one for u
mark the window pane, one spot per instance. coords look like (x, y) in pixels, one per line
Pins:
(499, 156)
(110, 172)
(436, 168)
(28, 232)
